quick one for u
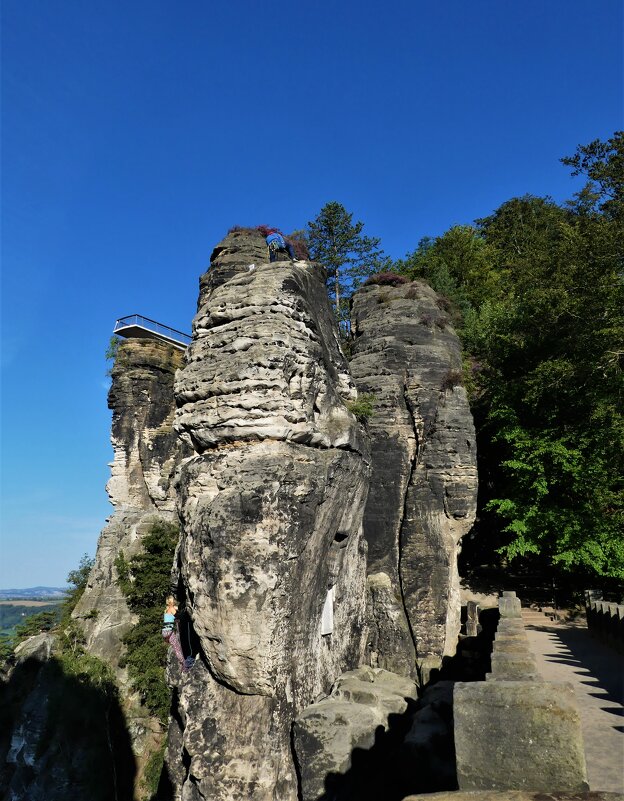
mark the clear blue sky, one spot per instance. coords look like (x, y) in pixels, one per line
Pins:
(135, 133)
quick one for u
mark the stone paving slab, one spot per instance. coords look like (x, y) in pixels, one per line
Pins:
(566, 652)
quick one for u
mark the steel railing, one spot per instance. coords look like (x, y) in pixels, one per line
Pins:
(164, 331)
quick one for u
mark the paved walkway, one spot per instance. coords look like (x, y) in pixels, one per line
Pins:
(566, 652)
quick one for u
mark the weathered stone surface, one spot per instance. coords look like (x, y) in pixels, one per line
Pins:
(509, 605)
(518, 735)
(514, 665)
(472, 619)
(423, 489)
(38, 647)
(146, 455)
(50, 747)
(503, 638)
(270, 509)
(265, 361)
(326, 733)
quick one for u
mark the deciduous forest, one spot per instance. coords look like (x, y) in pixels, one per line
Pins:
(536, 292)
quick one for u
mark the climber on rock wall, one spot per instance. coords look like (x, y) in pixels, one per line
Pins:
(277, 243)
(170, 633)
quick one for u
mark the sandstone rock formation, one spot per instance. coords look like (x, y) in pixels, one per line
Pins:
(270, 510)
(359, 707)
(422, 498)
(146, 454)
(60, 737)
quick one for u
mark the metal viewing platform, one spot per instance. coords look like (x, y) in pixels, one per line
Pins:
(137, 326)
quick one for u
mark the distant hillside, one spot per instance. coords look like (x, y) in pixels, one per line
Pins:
(30, 593)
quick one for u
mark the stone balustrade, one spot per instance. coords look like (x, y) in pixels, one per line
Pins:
(605, 620)
(514, 731)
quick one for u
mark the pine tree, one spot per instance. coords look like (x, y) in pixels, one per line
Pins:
(339, 245)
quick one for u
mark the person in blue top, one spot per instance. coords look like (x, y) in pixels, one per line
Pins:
(276, 242)
(170, 633)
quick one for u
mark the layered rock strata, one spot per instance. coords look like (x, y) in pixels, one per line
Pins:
(423, 491)
(146, 455)
(271, 558)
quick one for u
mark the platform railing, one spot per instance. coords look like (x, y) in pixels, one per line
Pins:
(123, 324)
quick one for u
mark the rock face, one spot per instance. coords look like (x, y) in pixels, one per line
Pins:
(360, 706)
(270, 510)
(60, 737)
(422, 498)
(146, 454)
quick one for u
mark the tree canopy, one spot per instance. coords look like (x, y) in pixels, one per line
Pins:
(540, 298)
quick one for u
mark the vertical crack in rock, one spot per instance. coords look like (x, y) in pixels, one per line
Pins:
(271, 551)
(423, 486)
(412, 468)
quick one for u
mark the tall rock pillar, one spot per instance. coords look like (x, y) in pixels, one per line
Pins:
(424, 482)
(146, 455)
(271, 559)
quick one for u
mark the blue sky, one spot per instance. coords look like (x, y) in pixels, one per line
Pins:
(135, 134)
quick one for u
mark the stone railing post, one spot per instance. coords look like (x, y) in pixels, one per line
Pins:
(509, 605)
(516, 731)
(472, 619)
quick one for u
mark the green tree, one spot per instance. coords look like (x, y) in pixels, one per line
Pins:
(603, 164)
(111, 353)
(340, 246)
(460, 264)
(77, 581)
(145, 581)
(550, 352)
(539, 288)
(42, 621)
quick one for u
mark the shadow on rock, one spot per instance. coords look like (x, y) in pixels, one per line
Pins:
(63, 735)
(375, 772)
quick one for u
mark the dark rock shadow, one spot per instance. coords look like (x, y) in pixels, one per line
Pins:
(376, 772)
(416, 753)
(63, 736)
(190, 642)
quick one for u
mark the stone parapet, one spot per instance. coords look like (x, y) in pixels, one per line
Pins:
(605, 620)
(514, 731)
(509, 605)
